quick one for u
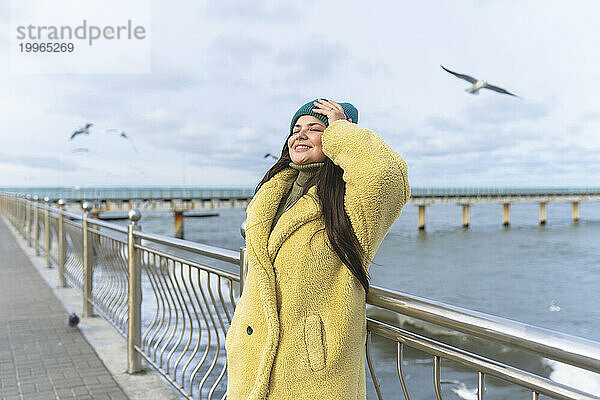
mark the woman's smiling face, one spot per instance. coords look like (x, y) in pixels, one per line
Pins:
(304, 143)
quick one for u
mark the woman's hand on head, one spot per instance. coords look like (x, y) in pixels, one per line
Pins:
(331, 109)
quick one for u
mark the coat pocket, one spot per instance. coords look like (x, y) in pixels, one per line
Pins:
(315, 343)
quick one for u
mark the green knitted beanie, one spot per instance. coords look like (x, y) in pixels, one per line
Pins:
(306, 109)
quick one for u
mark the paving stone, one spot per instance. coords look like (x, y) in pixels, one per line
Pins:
(40, 396)
(64, 392)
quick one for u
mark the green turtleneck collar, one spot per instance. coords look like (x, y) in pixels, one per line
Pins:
(306, 170)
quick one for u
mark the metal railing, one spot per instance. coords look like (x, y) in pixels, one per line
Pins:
(174, 310)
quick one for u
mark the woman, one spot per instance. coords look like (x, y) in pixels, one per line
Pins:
(313, 226)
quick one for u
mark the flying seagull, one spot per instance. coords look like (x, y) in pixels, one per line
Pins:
(82, 131)
(123, 135)
(270, 155)
(86, 131)
(477, 83)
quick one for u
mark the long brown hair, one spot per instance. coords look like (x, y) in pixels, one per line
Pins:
(330, 191)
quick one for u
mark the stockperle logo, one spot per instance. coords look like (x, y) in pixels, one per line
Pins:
(80, 36)
(85, 32)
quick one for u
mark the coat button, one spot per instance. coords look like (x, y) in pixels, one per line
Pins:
(249, 330)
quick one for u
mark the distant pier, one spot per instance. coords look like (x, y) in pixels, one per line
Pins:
(188, 202)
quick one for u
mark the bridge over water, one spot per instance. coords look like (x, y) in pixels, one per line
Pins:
(180, 200)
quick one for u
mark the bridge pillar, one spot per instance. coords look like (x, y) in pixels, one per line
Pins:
(179, 224)
(466, 215)
(212, 204)
(542, 213)
(422, 217)
(575, 213)
(506, 214)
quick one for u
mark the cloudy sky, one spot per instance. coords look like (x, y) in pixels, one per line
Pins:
(227, 76)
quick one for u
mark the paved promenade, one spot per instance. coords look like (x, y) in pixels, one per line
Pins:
(41, 357)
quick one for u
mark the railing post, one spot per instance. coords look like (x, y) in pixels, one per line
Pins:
(21, 208)
(36, 226)
(28, 217)
(243, 260)
(134, 301)
(10, 207)
(17, 208)
(15, 211)
(24, 206)
(47, 230)
(20, 217)
(61, 244)
(88, 264)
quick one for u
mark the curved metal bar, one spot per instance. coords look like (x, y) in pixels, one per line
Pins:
(101, 287)
(122, 272)
(180, 301)
(157, 268)
(372, 368)
(160, 306)
(214, 325)
(436, 377)
(172, 307)
(223, 330)
(168, 307)
(145, 263)
(223, 304)
(217, 381)
(194, 352)
(217, 313)
(480, 385)
(208, 340)
(193, 302)
(187, 303)
(399, 361)
(233, 302)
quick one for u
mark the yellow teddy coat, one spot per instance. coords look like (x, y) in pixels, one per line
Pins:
(299, 329)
